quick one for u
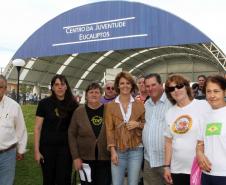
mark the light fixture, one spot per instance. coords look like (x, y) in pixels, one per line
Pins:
(18, 63)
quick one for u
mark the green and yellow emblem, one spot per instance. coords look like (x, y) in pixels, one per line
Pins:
(96, 120)
(213, 129)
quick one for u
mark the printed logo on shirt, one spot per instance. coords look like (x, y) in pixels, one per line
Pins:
(56, 112)
(182, 124)
(4, 116)
(96, 120)
(213, 129)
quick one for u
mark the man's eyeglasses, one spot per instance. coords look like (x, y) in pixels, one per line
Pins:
(110, 88)
(172, 88)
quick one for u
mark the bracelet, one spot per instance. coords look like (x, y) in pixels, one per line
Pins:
(138, 124)
(200, 144)
(166, 166)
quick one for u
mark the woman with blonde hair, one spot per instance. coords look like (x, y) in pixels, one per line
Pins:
(124, 118)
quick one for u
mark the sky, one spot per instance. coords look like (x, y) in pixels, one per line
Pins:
(20, 18)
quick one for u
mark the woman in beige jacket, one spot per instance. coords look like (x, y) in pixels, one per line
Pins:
(124, 118)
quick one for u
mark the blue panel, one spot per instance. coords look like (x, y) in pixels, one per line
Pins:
(111, 25)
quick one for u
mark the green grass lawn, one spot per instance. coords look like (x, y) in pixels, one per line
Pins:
(27, 171)
(29, 116)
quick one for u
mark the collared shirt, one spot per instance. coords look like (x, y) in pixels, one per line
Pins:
(126, 115)
(153, 132)
(12, 125)
(105, 100)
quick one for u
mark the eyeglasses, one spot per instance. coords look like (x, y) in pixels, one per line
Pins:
(172, 88)
(110, 88)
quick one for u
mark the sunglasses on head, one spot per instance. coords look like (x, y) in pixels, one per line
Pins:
(110, 88)
(178, 86)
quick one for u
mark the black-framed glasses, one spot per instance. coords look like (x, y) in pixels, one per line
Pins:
(178, 86)
(110, 88)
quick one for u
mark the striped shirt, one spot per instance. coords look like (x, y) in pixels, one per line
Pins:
(153, 132)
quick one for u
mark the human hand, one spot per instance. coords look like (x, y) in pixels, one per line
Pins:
(203, 162)
(132, 124)
(19, 157)
(39, 157)
(114, 157)
(167, 175)
(77, 164)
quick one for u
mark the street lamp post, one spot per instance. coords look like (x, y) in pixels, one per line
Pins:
(18, 63)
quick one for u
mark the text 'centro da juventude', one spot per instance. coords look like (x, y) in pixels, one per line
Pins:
(99, 31)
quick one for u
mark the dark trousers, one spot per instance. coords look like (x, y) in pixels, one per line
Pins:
(181, 179)
(213, 180)
(100, 172)
(57, 165)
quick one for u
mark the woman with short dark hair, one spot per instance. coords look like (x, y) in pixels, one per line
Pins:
(87, 137)
(211, 146)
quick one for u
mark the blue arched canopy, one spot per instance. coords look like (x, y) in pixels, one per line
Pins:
(104, 26)
(83, 42)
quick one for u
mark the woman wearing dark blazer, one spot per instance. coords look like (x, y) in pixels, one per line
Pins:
(87, 137)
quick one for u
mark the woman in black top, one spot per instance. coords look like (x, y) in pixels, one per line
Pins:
(87, 138)
(53, 117)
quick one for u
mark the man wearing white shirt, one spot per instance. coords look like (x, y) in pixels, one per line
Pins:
(153, 132)
(13, 135)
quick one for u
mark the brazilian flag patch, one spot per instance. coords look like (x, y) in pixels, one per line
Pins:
(213, 129)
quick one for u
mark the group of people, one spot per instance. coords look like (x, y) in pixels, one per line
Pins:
(106, 136)
(24, 98)
(156, 133)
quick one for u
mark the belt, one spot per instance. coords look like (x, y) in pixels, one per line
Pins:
(7, 149)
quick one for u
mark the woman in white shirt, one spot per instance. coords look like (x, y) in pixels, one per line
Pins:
(211, 146)
(182, 129)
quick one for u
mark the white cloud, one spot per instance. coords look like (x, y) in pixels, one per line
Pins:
(19, 19)
(5, 56)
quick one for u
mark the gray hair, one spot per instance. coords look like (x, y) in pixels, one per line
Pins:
(109, 82)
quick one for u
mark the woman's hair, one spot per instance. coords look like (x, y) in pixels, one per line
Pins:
(62, 78)
(94, 85)
(127, 76)
(70, 101)
(177, 79)
(217, 79)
